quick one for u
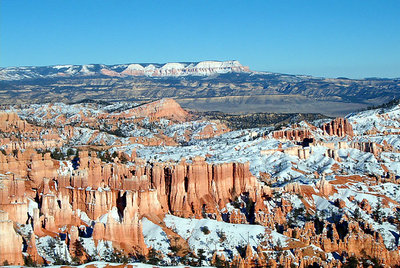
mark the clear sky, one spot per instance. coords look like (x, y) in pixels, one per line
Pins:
(322, 38)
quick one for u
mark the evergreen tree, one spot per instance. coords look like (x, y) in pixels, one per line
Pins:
(79, 249)
(152, 257)
(377, 214)
(357, 214)
(202, 257)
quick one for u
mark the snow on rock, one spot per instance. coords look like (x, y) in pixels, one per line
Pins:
(211, 235)
(52, 249)
(155, 237)
(384, 119)
(168, 69)
(103, 264)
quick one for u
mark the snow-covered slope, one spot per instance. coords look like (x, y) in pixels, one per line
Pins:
(377, 120)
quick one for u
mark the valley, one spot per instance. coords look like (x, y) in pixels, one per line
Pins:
(231, 89)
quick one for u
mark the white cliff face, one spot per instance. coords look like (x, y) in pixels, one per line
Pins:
(182, 69)
(202, 68)
(206, 68)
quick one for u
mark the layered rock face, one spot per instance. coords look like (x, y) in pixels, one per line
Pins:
(182, 69)
(165, 108)
(10, 245)
(339, 127)
(115, 196)
(300, 152)
(197, 188)
(184, 189)
(18, 134)
(11, 121)
(293, 134)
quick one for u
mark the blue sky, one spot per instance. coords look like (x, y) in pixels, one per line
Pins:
(322, 38)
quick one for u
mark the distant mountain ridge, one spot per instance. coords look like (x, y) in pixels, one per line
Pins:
(202, 68)
(225, 86)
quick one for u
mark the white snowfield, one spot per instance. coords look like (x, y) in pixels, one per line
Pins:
(155, 237)
(225, 238)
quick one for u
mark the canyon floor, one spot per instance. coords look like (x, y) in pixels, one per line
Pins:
(155, 184)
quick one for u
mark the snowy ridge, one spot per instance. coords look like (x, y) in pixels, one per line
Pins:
(202, 68)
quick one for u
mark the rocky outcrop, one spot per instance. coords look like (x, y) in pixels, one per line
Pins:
(115, 196)
(10, 122)
(370, 147)
(339, 127)
(192, 189)
(141, 124)
(292, 134)
(18, 134)
(10, 242)
(165, 108)
(211, 130)
(324, 187)
(28, 164)
(298, 151)
(353, 239)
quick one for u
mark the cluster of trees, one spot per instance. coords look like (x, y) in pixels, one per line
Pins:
(58, 154)
(353, 262)
(28, 261)
(109, 158)
(393, 102)
(257, 120)
(179, 255)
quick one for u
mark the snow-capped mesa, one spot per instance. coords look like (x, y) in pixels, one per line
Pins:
(152, 184)
(203, 68)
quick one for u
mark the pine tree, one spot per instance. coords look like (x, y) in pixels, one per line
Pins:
(79, 250)
(202, 257)
(377, 214)
(357, 214)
